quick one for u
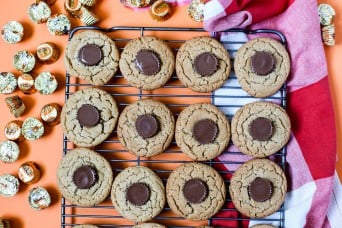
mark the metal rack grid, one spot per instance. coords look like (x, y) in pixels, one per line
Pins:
(176, 97)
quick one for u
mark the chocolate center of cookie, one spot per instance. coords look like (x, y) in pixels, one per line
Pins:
(195, 191)
(90, 55)
(205, 131)
(147, 62)
(262, 63)
(85, 177)
(147, 125)
(138, 194)
(206, 64)
(260, 189)
(261, 129)
(88, 115)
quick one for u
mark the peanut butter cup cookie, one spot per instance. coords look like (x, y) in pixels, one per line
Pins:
(138, 194)
(146, 128)
(203, 64)
(195, 191)
(84, 177)
(92, 56)
(147, 63)
(260, 129)
(89, 117)
(202, 131)
(258, 188)
(262, 66)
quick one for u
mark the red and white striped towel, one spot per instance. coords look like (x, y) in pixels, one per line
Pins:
(312, 150)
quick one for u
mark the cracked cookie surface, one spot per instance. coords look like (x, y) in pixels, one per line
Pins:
(215, 194)
(99, 72)
(161, 52)
(185, 136)
(67, 167)
(242, 120)
(151, 207)
(185, 66)
(89, 136)
(262, 85)
(129, 135)
(244, 176)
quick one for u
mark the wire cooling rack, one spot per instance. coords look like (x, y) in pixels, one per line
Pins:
(228, 98)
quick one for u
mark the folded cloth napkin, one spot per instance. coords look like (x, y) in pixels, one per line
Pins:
(311, 154)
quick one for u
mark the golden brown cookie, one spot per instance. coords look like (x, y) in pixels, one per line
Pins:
(89, 116)
(258, 188)
(260, 129)
(262, 65)
(92, 56)
(138, 194)
(146, 128)
(147, 63)
(84, 177)
(202, 131)
(195, 191)
(203, 64)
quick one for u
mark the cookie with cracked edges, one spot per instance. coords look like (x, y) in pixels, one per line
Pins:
(92, 56)
(203, 64)
(84, 177)
(138, 194)
(262, 66)
(195, 191)
(89, 116)
(258, 188)
(202, 131)
(147, 63)
(260, 129)
(146, 127)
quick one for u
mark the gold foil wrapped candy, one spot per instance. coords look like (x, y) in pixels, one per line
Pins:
(51, 114)
(9, 151)
(45, 83)
(12, 32)
(13, 130)
(160, 10)
(73, 7)
(8, 82)
(32, 129)
(89, 3)
(326, 14)
(15, 105)
(196, 10)
(24, 61)
(87, 17)
(39, 198)
(47, 53)
(26, 83)
(39, 12)
(59, 24)
(29, 173)
(328, 35)
(9, 185)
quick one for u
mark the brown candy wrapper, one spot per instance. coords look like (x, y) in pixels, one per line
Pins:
(51, 114)
(47, 53)
(29, 173)
(13, 130)
(15, 105)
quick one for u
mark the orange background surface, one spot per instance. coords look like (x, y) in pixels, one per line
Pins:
(47, 151)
